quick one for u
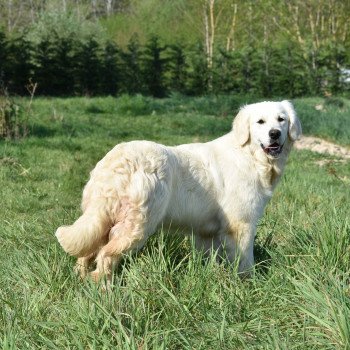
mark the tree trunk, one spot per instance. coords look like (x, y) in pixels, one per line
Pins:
(230, 40)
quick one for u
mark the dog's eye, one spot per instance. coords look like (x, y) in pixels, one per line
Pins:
(261, 121)
(280, 119)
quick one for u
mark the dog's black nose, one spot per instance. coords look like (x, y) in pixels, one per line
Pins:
(274, 134)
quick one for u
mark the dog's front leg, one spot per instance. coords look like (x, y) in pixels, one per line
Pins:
(239, 243)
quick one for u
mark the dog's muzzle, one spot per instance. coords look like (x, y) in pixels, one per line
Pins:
(273, 150)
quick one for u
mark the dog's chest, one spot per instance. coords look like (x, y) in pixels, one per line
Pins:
(246, 204)
(243, 197)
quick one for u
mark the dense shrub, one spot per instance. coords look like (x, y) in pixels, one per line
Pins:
(13, 120)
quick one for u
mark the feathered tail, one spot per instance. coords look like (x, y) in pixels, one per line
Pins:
(86, 234)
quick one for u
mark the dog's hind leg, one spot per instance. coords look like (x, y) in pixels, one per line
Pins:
(126, 236)
(136, 221)
(83, 264)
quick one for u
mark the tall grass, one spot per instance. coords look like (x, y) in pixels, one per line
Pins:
(168, 296)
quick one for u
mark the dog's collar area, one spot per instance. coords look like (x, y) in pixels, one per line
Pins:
(273, 150)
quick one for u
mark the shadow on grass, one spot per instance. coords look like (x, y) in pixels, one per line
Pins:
(42, 131)
(95, 110)
(177, 250)
(262, 255)
(47, 131)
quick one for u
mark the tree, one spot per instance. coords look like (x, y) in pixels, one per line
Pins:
(110, 70)
(315, 26)
(3, 57)
(64, 64)
(45, 70)
(227, 71)
(54, 66)
(177, 69)
(88, 68)
(154, 65)
(132, 81)
(198, 74)
(19, 65)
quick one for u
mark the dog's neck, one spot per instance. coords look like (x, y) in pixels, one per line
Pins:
(269, 169)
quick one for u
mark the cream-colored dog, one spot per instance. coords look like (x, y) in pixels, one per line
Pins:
(217, 189)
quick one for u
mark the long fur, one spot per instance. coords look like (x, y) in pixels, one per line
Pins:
(217, 189)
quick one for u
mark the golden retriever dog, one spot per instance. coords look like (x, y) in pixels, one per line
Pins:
(218, 190)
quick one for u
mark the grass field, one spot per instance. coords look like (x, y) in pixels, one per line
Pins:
(169, 296)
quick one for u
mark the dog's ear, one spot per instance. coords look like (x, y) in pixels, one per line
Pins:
(294, 122)
(241, 128)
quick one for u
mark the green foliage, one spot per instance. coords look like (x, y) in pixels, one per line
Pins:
(177, 70)
(19, 66)
(227, 76)
(3, 56)
(68, 54)
(334, 102)
(154, 66)
(330, 122)
(74, 63)
(263, 48)
(169, 296)
(88, 74)
(13, 121)
(54, 66)
(132, 81)
(64, 25)
(110, 70)
(198, 74)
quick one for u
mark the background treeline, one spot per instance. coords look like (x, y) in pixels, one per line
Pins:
(264, 48)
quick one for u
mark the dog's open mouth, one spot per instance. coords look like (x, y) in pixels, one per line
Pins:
(273, 150)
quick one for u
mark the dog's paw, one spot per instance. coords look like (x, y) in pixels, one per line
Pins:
(81, 270)
(104, 281)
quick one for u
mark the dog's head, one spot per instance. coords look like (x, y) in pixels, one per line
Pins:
(268, 125)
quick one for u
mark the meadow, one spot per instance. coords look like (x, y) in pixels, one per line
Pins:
(168, 296)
